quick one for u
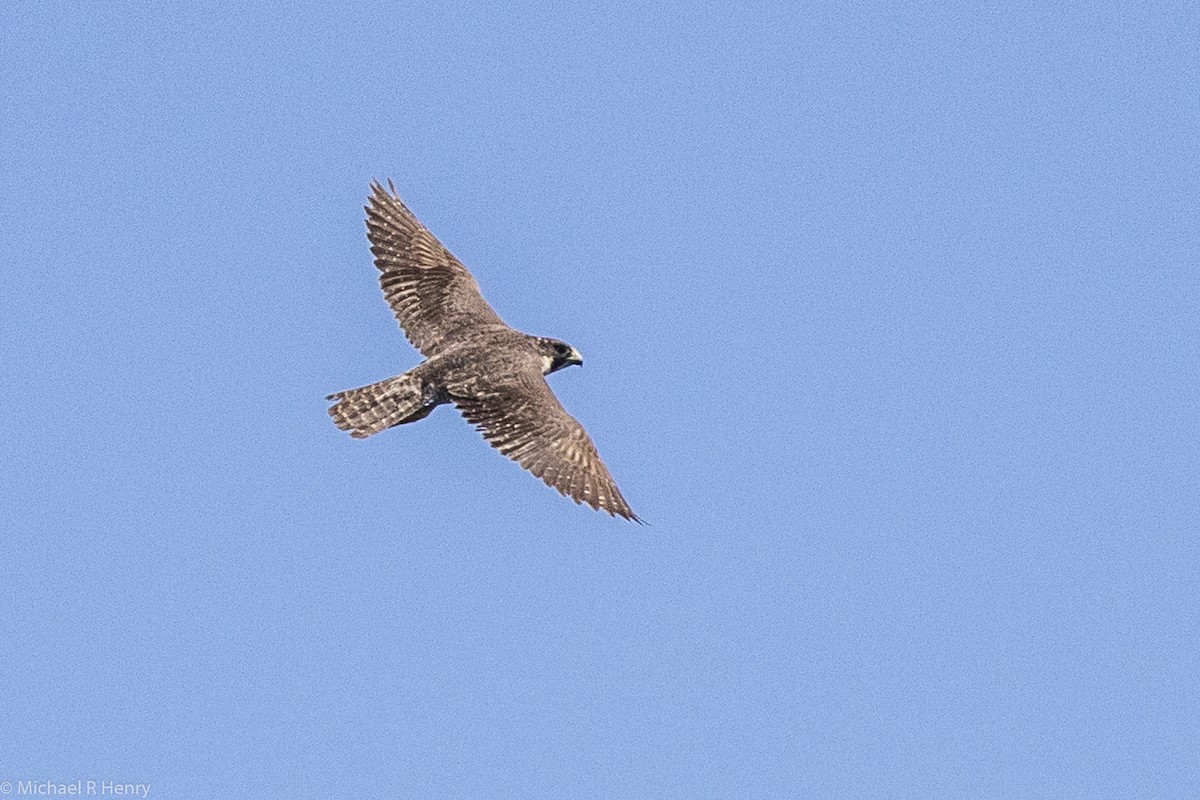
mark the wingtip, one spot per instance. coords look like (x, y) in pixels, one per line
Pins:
(377, 189)
(625, 513)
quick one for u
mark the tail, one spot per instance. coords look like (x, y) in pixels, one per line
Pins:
(370, 409)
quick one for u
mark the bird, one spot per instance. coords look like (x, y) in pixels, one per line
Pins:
(493, 374)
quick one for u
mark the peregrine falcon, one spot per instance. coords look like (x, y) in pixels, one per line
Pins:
(493, 374)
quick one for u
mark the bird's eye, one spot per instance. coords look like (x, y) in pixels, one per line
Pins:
(561, 348)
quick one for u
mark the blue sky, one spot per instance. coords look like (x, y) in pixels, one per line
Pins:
(890, 315)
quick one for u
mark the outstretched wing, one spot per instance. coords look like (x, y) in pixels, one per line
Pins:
(432, 294)
(524, 421)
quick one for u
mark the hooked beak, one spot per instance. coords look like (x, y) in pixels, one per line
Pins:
(575, 358)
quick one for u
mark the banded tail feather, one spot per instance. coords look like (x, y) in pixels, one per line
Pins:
(370, 409)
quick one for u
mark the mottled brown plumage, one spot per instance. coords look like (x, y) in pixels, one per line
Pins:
(492, 373)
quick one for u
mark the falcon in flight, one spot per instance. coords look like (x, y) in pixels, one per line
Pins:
(494, 374)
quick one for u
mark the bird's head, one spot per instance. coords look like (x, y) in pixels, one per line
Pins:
(556, 355)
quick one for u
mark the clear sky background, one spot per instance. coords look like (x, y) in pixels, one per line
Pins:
(891, 322)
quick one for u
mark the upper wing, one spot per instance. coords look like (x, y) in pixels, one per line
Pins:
(431, 293)
(524, 421)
